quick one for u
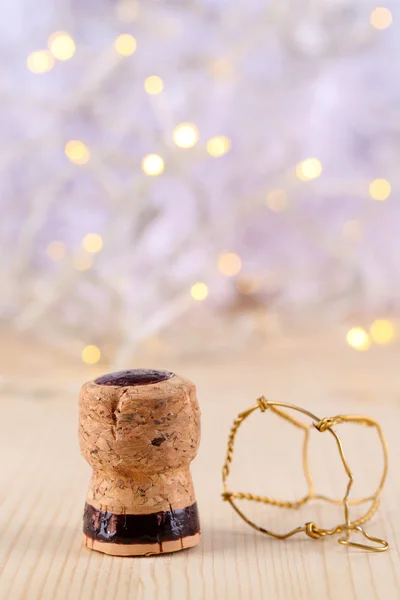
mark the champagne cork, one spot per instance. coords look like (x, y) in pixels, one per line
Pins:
(139, 430)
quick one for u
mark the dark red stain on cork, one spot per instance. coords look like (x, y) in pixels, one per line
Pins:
(133, 377)
(154, 528)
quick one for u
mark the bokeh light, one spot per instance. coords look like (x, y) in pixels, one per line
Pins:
(153, 164)
(77, 152)
(381, 18)
(185, 135)
(352, 230)
(56, 250)
(222, 68)
(82, 262)
(40, 62)
(382, 331)
(92, 242)
(91, 354)
(127, 10)
(153, 345)
(125, 44)
(218, 145)
(358, 338)
(199, 291)
(276, 200)
(380, 189)
(61, 45)
(153, 85)
(229, 264)
(309, 169)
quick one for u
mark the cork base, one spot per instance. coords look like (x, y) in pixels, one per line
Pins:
(141, 549)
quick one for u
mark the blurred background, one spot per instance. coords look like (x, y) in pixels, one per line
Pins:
(197, 181)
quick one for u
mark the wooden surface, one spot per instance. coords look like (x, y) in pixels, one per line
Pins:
(44, 482)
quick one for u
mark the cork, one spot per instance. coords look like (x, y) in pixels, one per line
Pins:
(139, 430)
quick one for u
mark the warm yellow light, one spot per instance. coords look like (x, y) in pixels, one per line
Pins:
(381, 18)
(153, 85)
(222, 68)
(128, 10)
(40, 61)
(92, 242)
(382, 331)
(185, 135)
(308, 169)
(353, 230)
(91, 354)
(77, 152)
(218, 145)
(56, 250)
(358, 338)
(199, 291)
(125, 44)
(153, 164)
(83, 262)
(380, 189)
(153, 345)
(61, 45)
(277, 200)
(229, 264)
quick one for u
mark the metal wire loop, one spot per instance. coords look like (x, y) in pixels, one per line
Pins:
(348, 527)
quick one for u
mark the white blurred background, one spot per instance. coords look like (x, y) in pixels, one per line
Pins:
(193, 180)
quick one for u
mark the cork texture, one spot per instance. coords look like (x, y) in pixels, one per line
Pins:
(140, 441)
(141, 549)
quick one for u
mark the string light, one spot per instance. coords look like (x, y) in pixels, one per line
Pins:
(358, 338)
(153, 85)
(382, 331)
(380, 189)
(91, 354)
(309, 169)
(353, 231)
(92, 242)
(77, 152)
(61, 45)
(185, 135)
(82, 262)
(221, 68)
(229, 264)
(125, 44)
(153, 164)
(218, 145)
(128, 10)
(56, 250)
(153, 345)
(381, 18)
(277, 200)
(199, 291)
(39, 62)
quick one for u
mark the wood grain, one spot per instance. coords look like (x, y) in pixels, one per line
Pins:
(43, 483)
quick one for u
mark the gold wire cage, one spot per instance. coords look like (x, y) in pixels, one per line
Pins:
(311, 529)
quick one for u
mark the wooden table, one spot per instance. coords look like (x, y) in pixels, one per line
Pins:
(43, 485)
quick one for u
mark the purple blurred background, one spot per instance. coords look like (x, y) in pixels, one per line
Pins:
(276, 130)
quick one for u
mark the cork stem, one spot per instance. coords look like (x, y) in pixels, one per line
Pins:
(141, 493)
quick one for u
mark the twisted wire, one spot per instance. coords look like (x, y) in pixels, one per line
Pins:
(310, 528)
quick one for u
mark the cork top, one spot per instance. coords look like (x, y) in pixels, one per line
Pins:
(134, 377)
(135, 423)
